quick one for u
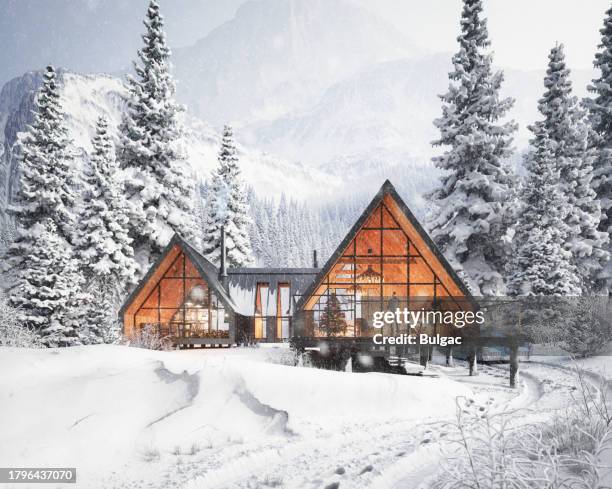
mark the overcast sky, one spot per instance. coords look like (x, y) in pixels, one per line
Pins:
(102, 35)
(522, 31)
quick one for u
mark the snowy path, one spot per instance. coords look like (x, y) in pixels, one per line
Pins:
(544, 389)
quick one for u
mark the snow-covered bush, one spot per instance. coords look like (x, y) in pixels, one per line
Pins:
(149, 338)
(7, 235)
(290, 357)
(488, 452)
(584, 424)
(151, 455)
(12, 332)
(493, 451)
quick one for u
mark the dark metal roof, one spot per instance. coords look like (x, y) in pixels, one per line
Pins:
(386, 189)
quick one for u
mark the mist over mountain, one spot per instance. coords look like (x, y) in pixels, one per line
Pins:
(276, 56)
(322, 107)
(390, 107)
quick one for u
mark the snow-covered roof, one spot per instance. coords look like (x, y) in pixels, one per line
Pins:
(243, 287)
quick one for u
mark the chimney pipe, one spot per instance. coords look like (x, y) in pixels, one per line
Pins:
(223, 266)
(315, 262)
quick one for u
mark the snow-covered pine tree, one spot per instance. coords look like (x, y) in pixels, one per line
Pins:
(102, 245)
(282, 242)
(600, 135)
(46, 188)
(159, 186)
(587, 326)
(257, 227)
(269, 232)
(99, 323)
(199, 207)
(7, 236)
(541, 264)
(227, 208)
(565, 123)
(472, 217)
(47, 294)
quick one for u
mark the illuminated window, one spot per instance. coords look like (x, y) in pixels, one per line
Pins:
(380, 269)
(182, 305)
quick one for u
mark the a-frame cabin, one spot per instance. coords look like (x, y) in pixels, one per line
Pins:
(386, 261)
(183, 298)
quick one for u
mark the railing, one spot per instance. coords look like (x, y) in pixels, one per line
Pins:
(186, 330)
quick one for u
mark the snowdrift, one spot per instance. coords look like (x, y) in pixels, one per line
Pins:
(99, 408)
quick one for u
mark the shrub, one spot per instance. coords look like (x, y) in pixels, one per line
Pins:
(12, 332)
(494, 451)
(284, 356)
(195, 449)
(148, 337)
(151, 455)
(489, 453)
(580, 429)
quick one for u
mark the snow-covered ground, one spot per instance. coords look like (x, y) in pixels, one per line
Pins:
(132, 418)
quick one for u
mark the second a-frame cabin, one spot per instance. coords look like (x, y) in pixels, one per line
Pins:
(386, 261)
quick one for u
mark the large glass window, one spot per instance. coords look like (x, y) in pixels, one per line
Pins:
(182, 305)
(262, 298)
(381, 269)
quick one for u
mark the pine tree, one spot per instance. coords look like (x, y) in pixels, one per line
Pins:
(473, 200)
(46, 184)
(257, 226)
(282, 242)
(102, 245)
(100, 305)
(564, 121)
(227, 208)
(600, 118)
(47, 293)
(333, 320)
(201, 196)
(587, 326)
(541, 264)
(159, 187)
